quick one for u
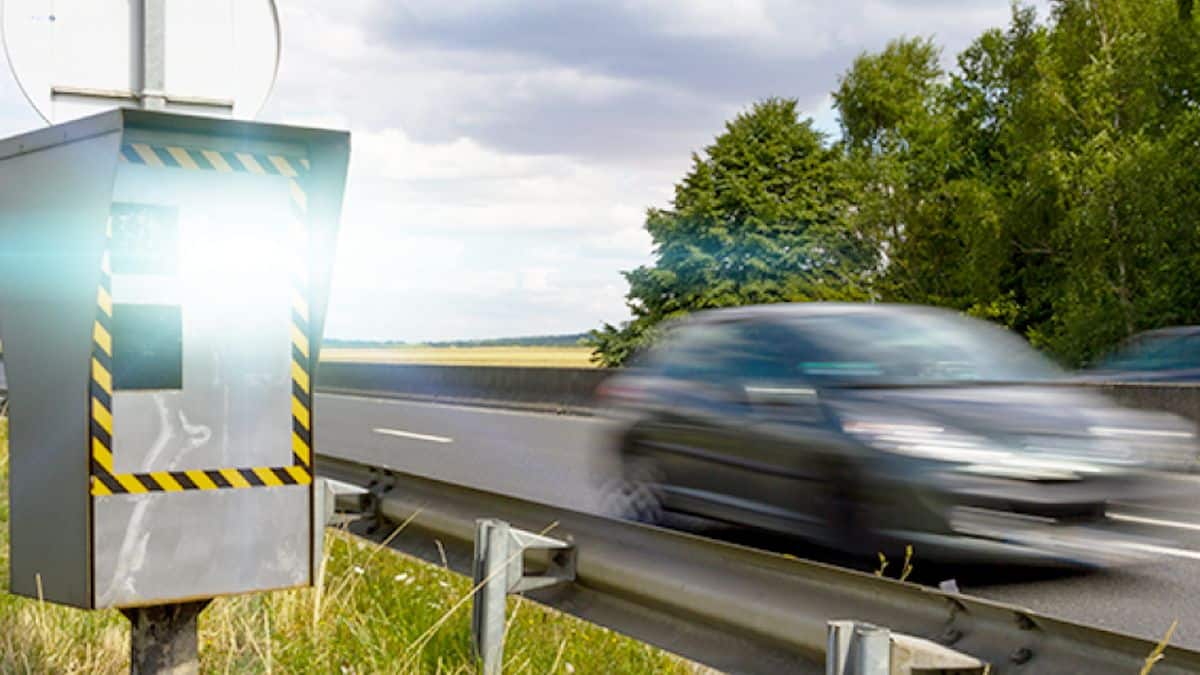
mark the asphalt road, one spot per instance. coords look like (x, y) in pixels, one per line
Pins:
(564, 461)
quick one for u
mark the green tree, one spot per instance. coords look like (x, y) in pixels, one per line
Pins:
(1047, 182)
(753, 221)
(883, 98)
(1127, 76)
(892, 128)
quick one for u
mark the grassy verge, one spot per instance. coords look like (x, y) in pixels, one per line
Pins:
(548, 357)
(378, 612)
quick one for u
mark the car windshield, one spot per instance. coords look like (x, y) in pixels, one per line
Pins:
(916, 347)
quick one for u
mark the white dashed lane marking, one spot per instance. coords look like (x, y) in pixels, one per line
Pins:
(416, 437)
(1157, 522)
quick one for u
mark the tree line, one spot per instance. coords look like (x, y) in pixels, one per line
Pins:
(1050, 182)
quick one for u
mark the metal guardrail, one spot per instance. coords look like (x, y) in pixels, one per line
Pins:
(735, 608)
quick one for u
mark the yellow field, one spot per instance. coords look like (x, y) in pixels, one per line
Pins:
(547, 357)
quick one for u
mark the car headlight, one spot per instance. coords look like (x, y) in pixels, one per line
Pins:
(927, 441)
(973, 454)
(1130, 432)
(1158, 448)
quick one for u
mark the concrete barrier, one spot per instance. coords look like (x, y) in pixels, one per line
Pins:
(554, 389)
(1180, 399)
(572, 390)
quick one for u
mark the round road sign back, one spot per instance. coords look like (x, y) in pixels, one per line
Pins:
(73, 58)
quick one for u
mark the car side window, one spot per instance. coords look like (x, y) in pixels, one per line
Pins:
(816, 359)
(697, 352)
(764, 352)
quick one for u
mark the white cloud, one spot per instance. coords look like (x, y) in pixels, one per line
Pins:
(505, 151)
(544, 235)
(393, 155)
(707, 18)
(463, 186)
(536, 279)
(504, 155)
(492, 171)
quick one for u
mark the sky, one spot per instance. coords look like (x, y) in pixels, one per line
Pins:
(504, 152)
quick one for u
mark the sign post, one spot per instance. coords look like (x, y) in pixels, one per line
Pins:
(164, 639)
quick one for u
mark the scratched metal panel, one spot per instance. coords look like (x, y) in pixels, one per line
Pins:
(158, 547)
(232, 284)
(54, 191)
(231, 279)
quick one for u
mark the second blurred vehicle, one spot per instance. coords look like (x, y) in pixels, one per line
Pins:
(1164, 355)
(870, 426)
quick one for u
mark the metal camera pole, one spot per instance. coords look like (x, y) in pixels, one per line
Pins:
(149, 48)
(164, 638)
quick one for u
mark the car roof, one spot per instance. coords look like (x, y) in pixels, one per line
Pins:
(789, 310)
(1169, 331)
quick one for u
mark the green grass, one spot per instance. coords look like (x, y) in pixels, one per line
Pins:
(376, 612)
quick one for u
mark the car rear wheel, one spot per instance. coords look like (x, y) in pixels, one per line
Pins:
(636, 495)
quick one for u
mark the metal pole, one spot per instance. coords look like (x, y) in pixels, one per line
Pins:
(491, 589)
(163, 639)
(152, 31)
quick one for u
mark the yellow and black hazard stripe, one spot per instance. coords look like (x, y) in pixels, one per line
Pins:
(101, 388)
(212, 160)
(105, 480)
(107, 483)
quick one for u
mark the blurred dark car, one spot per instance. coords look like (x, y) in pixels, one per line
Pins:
(1164, 355)
(867, 427)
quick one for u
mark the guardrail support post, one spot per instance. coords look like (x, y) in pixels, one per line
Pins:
(499, 569)
(163, 639)
(487, 607)
(870, 651)
(857, 648)
(854, 648)
(837, 646)
(330, 498)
